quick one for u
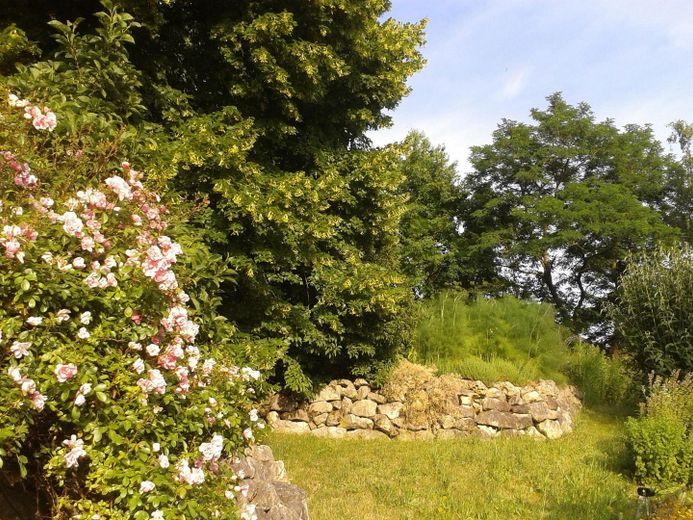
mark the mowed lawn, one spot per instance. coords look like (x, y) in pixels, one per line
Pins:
(576, 477)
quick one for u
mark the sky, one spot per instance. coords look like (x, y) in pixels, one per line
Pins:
(630, 60)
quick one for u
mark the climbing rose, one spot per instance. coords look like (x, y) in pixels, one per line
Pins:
(65, 372)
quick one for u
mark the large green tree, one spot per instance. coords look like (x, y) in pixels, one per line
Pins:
(256, 113)
(429, 227)
(555, 205)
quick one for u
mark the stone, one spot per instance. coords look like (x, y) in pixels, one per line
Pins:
(508, 388)
(515, 400)
(333, 418)
(342, 382)
(346, 405)
(534, 433)
(376, 398)
(329, 393)
(293, 498)
(465, 423)
(466, 400)
(550, 429)
(424, 435)
(349, 391)
(513, 433)
(392, 410)
(447, 422)
(382, 423)
(337, 405)
(283, 403)
(451, 434)
(297, 415)
(551, 402)
(531, 397)
(319, 407)
(362, 392)
(467, 411)
(504, 420)
(367, 434)
(271, 418)
(492, 403)
(494, 393)
(540, 411)
(320, 420)
(364, 408)
(399, 422)
(354, 422)
(360, 382)
(330, 432)
(486, 431)
(291, 427)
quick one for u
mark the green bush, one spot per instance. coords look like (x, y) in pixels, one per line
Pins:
(504, 338)
(661, 439)
(120, 394)
(602, 379)
(654, 310)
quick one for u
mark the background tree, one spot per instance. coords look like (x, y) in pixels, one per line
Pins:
(554, 207)
(429, 227)
(680, 200)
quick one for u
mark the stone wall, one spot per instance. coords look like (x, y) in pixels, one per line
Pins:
(425, 406)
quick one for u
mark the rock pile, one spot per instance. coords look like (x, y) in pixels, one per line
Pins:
(441, 407)
(267, 487)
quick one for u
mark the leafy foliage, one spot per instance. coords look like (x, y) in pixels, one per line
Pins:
(654, 311)
(255, 113)
(661, 439)
(501, 339)
(555, 206)
(429, 228)
(110, 389)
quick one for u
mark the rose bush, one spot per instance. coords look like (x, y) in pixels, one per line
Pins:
(116, 401)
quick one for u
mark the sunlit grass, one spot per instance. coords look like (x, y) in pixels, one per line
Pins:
(576, 477)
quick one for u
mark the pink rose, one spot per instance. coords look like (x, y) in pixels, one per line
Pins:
(65, 372)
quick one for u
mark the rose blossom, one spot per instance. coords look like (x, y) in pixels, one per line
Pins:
(163, 461)
(85, 318)
(34, 321)
(147, 486)
(83, 333)
(65, 372)
(76, 451)
(20, 349)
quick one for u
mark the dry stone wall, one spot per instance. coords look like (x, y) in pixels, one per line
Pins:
(428, 407)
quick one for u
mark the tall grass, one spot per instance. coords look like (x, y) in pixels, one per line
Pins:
(491, 340)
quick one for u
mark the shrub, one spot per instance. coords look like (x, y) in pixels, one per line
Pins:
(661, 439)
(505, 338)
(654, 310)
(116, 403)
(601, 379)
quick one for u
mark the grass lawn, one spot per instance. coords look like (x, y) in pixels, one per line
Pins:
(575, 477)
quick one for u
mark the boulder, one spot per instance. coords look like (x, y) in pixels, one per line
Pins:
(451, 434)
(320, 420)
(354, 422)
(271, 418)
(406, 435)
(550, 429)
(486, 431)
(319, 407)
(362, 392)
(297, 415)
(283, 403)
(392, 410)
(329, 393)
(492, 403)
(504, 420)
(360, 382)
(466, 411)
(531, 396)
(365, 408)
(377, 398)
(538, 410)
(331, 432)
(382, 423)
(367, 434)
(291, 427)
(333, 418)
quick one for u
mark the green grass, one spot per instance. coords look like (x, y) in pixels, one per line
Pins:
(576, 477)
(491, 340)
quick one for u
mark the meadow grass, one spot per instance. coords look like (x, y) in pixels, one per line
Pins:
(580, 476)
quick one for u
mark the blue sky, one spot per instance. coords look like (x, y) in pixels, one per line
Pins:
(631, 60)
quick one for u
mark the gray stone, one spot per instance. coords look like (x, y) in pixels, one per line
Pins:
(492, 403)
(465, 423)
(466, 400)
(331, 432)
(364, 408)
(354, 422)
(367, 434)
(467, 411)
(290, 427)
(551, 402)
(297, 415)
(486, 431)
(494, 393)
(360, 382)
(392, 410)
(382, 423)
(447, 421)
(534, 433)
(293, 498)
(507, 420)
(320, 420)
(328, 393)
(531, 397)
(362, 392)
(377, 398)
(550, 429)
(333, 418)
(271, 418)
(319, 407)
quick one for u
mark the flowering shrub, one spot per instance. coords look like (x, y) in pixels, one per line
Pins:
(111, 403)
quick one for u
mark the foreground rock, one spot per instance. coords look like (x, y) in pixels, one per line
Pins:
(418, 405)
(268, 489)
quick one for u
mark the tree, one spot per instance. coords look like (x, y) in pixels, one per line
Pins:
(256, 114)
(653, 311)
(429, 227)
(554, 206)
(680, 199)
